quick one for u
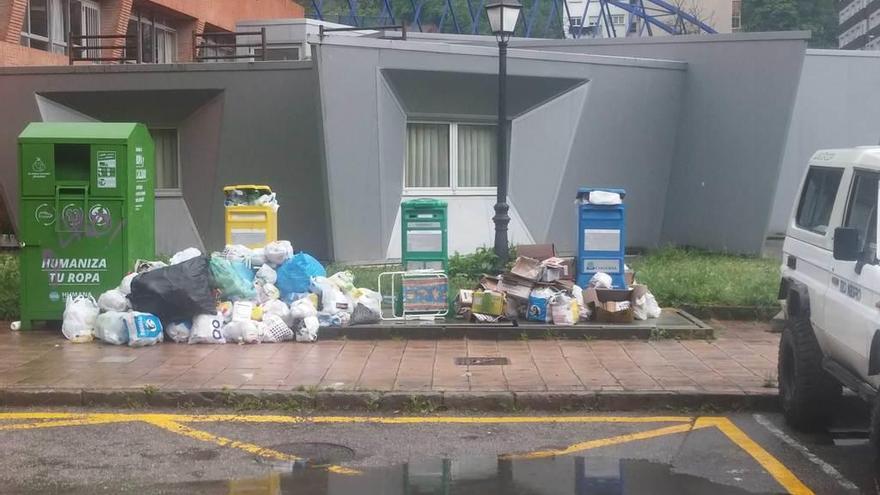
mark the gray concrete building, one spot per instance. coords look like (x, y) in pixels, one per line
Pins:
(695, 128)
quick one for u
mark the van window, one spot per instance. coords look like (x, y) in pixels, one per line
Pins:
(817, 199)
(861, 212)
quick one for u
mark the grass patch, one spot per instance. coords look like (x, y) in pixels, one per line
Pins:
(678, 277)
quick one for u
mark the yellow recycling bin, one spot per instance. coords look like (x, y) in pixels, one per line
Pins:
(251, 219)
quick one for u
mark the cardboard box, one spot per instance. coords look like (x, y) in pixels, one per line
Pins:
(539, 252)
(488, 303)
(488, 282)
(568, 268)
(629, 277)
(606, 303)
(515, 286)
(527, 268)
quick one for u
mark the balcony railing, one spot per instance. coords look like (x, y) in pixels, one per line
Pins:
(201, 45)
(92, 46)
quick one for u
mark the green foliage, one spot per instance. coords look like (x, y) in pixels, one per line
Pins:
(817, 16)
(679, 276)
(472, 265)
(10, 286)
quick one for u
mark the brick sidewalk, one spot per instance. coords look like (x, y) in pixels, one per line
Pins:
(742, 360)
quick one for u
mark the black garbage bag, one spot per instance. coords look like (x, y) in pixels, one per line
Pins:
(177, 292)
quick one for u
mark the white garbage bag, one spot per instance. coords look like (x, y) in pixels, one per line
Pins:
(273, 329)
(258, 257)
(308, 332)
(110, 328)
(302, 309)
(143, 329)
(343, 280)
(266, 292)
(367, 307)
(279, 309)
(332, 299)
(179, 331)
(113, 300)
(277, 252)
(125, 285)
(266, 275)
(653, 309)
(601, 281)
(564, 310)
(243, 332)
(207, 329)
(80, 313)
(604, 198)
(237, 252)
(185, 255)
(583, 310)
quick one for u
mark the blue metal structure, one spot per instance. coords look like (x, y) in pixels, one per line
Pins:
(540, 18)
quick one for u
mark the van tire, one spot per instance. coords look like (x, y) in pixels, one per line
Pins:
(807, 393)
(875, 427)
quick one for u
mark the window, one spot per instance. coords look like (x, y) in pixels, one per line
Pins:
(158, 41)
(862, 208)
(594, 20)
(450, 156)
(576, 21)
(47, 23)
(817, 199)
(736, 16)
(618, 19)
(167, 170)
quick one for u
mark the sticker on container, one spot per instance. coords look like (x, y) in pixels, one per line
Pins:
(424, 240)
(601, 240)
(607, 266)
(106, 170)
(45, 214)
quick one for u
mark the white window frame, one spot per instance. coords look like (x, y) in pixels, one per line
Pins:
(621, 17)
(60, 46)
(454, 189)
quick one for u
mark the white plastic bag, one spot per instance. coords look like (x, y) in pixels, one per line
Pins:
(266, 292)
(207, 329)
(143, 329)
(367, 307)
(302, 309)
(583, 310)
(601, 281)
(604, 198)
(237, 252)
(343, 280)
(332, 299)
(179, 331)
(125, 285)
(273, 329)
(244, 332)
(186, 254)
(110, 328)
(308, 332)
(279, 309)
(266, 275)
(80, 314)
(640, 312)
(258, 257)
(113, 300)
(277, 252)
(564, 310)
(653, 309)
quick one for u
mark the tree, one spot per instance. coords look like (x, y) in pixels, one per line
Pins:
(817, 16)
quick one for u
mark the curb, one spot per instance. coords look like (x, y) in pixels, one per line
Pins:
(735, 313)
(393, 402)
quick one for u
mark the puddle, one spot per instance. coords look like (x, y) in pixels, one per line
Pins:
(483, 475)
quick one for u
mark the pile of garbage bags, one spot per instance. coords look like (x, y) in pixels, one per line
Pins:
(240, 295)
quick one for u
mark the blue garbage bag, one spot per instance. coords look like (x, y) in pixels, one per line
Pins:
(295, 274)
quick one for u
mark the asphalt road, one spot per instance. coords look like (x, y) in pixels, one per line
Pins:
(74, 451)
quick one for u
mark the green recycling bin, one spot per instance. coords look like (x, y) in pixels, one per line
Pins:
(423, 234)
(86, 210)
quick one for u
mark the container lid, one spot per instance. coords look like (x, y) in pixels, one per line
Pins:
(251, 187)
(425, 203)
(77, 131)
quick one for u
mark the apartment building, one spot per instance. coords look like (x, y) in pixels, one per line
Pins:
(859, 22)
(39, 32)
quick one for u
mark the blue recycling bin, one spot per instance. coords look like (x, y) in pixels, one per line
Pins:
(601, 238)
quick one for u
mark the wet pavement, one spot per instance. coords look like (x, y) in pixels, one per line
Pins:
(75, 451)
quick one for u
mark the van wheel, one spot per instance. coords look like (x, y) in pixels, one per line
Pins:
(807, 392)
(875, 429)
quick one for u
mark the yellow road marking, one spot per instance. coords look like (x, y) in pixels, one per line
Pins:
(60, 423)
(604, 442)
(41, 415)
(250, 448)
(770, 464)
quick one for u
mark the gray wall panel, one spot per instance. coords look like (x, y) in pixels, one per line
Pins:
(837, 107)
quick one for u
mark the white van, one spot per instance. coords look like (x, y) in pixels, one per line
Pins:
(831, 283)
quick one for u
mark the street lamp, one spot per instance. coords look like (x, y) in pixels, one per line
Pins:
(503, 15)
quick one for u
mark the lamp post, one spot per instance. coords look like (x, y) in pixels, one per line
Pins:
(503, 15)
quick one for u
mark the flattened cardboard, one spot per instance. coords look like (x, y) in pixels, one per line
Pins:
(515, 286)
(527, 268)
(539, 252)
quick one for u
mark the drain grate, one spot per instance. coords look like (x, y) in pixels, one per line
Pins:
(481, 361)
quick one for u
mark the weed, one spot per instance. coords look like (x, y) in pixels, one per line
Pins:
(550, 334)
(589, 338)
(660, 334)
(150, 390)
(769, 380)
(417, 405)
(524, 336)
